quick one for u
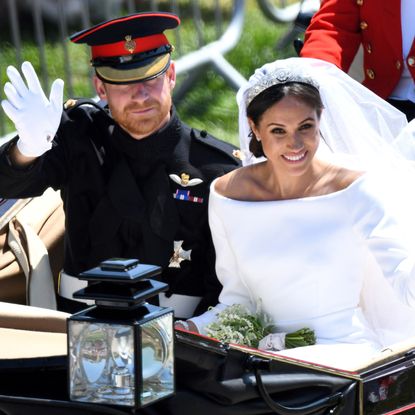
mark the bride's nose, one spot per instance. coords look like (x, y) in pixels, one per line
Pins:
(296, 142)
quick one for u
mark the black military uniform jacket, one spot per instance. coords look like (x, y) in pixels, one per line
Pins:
(145, 199)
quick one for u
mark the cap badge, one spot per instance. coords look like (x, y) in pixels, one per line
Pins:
(129, 44)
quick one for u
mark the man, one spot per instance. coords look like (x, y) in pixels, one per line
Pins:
(386, 31)
(134, 178)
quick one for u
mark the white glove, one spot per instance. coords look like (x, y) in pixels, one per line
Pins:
(35, 117)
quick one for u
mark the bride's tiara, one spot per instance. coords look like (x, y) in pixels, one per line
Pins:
(278, 76)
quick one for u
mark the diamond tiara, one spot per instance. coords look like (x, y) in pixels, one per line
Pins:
(278, 76)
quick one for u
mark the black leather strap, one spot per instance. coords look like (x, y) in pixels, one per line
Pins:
(331, 401)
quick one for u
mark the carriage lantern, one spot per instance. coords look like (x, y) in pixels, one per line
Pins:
(121, 348)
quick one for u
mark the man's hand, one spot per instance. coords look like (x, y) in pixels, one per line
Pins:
(35, 117)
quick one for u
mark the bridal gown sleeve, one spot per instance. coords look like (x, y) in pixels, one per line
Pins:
(385, 222)
(234, 290)
(383, 216)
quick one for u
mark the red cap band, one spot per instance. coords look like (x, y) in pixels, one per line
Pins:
(129, 46)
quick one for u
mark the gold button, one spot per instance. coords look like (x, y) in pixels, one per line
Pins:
(369, 48)
(411, 60)
(370, 73)
(359, 2)
(363, 25)
(398, 65)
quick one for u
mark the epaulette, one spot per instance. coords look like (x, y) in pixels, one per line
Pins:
(71, 104)
(228, 149)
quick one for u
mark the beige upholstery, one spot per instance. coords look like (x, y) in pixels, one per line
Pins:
(23, 344)
(27, 332)
(23, 317)
(31, 247)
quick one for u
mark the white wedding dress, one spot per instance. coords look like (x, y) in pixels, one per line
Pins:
(340, 264)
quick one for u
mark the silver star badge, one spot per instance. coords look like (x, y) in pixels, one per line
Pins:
(179, 255)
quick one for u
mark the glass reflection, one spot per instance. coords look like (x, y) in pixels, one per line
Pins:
(104, 369)
(77, 379)
(94, 352)
(157, 358)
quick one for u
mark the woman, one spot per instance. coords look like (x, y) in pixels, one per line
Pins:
(314, 240)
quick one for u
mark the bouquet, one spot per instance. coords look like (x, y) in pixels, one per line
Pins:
(237, 325)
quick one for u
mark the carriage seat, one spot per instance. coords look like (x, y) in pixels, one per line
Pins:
(31, 332)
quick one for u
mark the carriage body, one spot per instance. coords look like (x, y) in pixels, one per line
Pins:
(213, 377)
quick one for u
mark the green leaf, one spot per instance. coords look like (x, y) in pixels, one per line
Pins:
(299, 338)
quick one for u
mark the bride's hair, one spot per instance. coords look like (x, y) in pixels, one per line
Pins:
(275, 93)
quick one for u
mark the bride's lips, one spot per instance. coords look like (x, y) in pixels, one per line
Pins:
(295, 158)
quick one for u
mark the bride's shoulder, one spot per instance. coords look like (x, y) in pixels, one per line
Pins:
(235, 184)
(343, 177)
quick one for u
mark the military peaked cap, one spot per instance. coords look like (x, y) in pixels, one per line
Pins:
(130, 49)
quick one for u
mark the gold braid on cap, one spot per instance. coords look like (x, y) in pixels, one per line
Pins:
(278, 76)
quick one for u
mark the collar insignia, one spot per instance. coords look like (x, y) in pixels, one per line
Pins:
(70, 103)
(129, 44)
(179, 255)
(185, 180)
(238, 154)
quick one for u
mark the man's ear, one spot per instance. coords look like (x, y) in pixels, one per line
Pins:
(171, 75)
(99, 87)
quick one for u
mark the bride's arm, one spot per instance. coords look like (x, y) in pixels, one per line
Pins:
(385, 217)
(227, 268)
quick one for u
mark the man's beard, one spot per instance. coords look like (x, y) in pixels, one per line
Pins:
(140, 126)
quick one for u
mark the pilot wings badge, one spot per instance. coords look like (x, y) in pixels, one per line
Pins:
(185, 180)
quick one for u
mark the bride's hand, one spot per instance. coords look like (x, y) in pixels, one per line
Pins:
(187, 325)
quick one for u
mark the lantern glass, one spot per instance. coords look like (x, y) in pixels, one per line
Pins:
(120, 364)
(101, 359)
(157, 359)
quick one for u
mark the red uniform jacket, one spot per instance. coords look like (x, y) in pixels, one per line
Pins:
(340, 26)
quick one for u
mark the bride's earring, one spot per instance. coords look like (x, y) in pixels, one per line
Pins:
(258, 138)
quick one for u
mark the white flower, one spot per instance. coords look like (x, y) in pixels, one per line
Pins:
(236, 325)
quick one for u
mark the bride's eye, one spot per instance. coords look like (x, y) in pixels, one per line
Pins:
(278, 131)
(306, 126)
